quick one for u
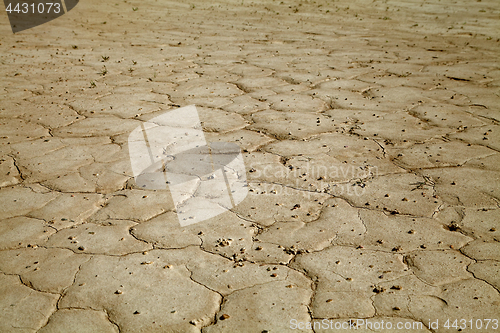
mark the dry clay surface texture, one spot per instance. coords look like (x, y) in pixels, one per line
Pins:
(370, 136)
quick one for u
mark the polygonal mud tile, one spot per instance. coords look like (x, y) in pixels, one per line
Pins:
(9, 175)
(448, 96)
(21, 231)
(17, 130)
(68, 209)
(135, 204)
(112, 237)
(227, 235)
(164, 231)
(449, 216)
(251, 84)
(356, 268)
(481, 95)
(18, 200)
(342, 304)
(38, 267)
(337, 219)
(345, 146)
(89, 106)
(98, 126)
(354, 117)
(126, 286)
(446, 115)
(56, 163)
(37, 147)
(158, 86)
(267, 167)
(292, 89)
(245, 105)
(346, 99)
(491, 111)
(469, 300)
(482, 250)
(481, 223)
(400, 127)
(51, 116)
(248, 70)
(460, 72)
(79, 321)
(487, 270)
(401, 75)
(226, 276)
(401, 233)
(106, 153)
(206, 101)
(107, 177)
(298, 148)
(369, 325)
(466, 186)
(332, 157)
(308, 78)
(322, 172)
(247, 140)
(205, 88)
(292, 125)
(71, 182)
(269, 203)
(216, 120)
(396, 97)
(491, 162)
(295, 103)
(266, 307)
(23, 309)
(346, 269)
(402, 69)
(176, 78)
(217, 71)
(261, 94)
(437, 153)
(353, 85)
(269, 253)
(263, 58)
(127, 105)
(439, 267)
(403, 193)
(393, 297)
(488, 136)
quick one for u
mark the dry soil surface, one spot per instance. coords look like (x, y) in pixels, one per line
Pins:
(370, 133)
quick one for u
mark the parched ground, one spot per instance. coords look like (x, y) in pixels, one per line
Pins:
(370, 132)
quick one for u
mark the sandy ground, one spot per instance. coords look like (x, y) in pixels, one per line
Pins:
(370, 138)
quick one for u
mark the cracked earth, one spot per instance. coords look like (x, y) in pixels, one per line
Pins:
(370, 135)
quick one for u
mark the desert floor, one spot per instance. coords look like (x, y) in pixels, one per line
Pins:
(370, 135)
